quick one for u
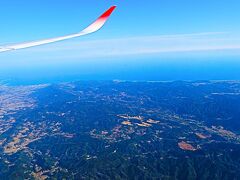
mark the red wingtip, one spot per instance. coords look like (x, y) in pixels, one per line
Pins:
(108, 12)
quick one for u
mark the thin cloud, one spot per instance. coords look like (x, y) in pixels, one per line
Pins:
(137, 46)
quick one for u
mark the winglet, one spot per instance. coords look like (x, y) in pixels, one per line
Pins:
(98, 24)
(108, 12)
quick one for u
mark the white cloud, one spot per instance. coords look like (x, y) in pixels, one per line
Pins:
(137, 46)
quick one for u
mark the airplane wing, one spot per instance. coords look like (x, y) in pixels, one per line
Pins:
(98, 24)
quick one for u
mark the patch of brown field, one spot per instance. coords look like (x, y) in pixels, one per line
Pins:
(39, 176)
(151, 121)
(185, 146)
(127, 123)
(131, 117)
(227, 133)
(201, 136)
(143, 124)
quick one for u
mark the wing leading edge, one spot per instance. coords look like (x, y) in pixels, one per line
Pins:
(98, 24)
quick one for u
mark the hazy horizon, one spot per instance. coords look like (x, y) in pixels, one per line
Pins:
(155, 40)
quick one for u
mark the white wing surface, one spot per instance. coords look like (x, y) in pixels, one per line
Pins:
(98, 24)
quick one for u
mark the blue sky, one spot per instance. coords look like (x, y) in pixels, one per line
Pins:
(143, 40)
